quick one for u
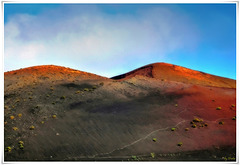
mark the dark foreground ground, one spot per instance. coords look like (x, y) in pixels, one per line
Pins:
(217, 154)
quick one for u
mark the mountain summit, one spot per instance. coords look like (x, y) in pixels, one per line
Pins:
(170, 72)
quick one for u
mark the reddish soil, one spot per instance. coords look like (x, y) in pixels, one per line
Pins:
(165, 71)
(117, 119)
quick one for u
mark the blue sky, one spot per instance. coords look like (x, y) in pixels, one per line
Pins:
(111, 39)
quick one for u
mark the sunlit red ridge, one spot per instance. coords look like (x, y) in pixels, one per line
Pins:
(48, 69)
(165, 71)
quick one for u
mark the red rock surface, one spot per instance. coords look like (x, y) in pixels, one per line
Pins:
(165, 71)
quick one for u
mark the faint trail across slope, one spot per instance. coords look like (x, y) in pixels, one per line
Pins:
(145, 137)
(161, 129)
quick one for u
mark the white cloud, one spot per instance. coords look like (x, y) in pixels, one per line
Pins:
(94, 41)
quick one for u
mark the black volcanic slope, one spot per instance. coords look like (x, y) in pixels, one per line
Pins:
(159, 112)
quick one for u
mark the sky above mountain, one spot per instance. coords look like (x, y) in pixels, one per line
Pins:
(111, 39)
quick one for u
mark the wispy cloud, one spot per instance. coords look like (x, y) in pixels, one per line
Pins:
(87, 38)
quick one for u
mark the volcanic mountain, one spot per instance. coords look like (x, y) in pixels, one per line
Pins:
(172, 72)
(157, 112)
